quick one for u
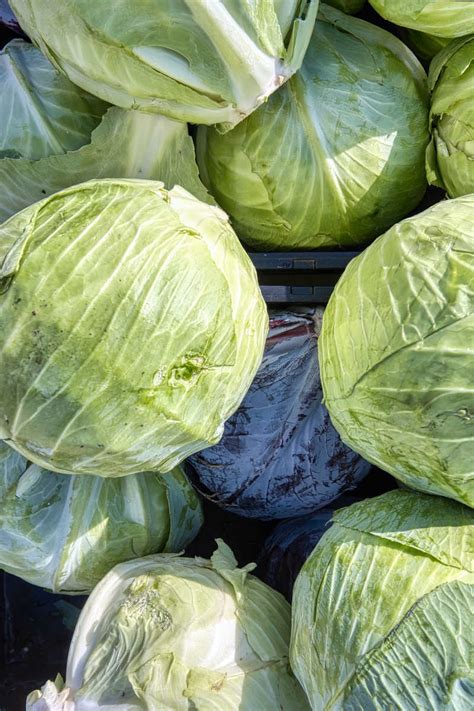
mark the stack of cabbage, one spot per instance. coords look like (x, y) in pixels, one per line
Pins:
(133, 336)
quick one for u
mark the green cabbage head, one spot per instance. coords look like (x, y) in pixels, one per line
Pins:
(383, 608)
(445, 18)
(201, 61)
(450, 155)
(336, 155)
(165, 632)
(132, 325)
(396, 351)
(55, 135)
(66, 532)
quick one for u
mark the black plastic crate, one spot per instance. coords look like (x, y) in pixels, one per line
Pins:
(299, 277)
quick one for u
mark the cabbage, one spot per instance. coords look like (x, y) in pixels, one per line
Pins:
(382, 609)
(334, 157)
(445, 18)
(55, 135)
(396, 351)
(132, 326)
(280, 456)
(165, 632)
(450, 155)
(65, 532)
(204, 62)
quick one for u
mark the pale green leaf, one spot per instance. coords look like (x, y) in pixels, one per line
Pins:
(445, 18)
(203, 62)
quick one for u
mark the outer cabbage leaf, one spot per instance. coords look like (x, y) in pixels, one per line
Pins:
(396, 517)
(450, 155)
(132, 326)
(41, 113)
(174, 633)
(51, 697)
(445, 18)
(55, 135)
(334, 157)
(411, 669)
(119, 147)
(280, 456)
(396, 352)
(378, 622)
(65, 532)
(204, 62)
